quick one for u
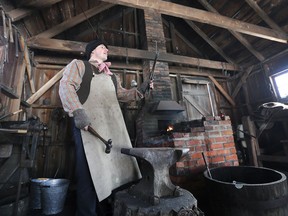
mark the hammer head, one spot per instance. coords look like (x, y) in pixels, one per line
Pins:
(108, 146)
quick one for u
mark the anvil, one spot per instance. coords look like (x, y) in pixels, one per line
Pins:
(154, 166)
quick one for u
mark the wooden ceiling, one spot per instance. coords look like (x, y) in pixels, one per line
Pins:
(240, 33)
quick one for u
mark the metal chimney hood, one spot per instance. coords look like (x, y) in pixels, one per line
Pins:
(167, 107)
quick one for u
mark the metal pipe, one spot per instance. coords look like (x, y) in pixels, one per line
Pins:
(210, 99)
(208, 170)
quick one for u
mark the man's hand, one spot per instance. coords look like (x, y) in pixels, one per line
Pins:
(148, 84)
(81, 119)
(151, 84)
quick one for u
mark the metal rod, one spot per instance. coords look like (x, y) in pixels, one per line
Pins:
(208, 170)
(210, 99)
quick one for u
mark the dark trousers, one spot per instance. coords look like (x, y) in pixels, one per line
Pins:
(86, 195)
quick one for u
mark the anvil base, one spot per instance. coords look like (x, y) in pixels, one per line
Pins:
(128, 205)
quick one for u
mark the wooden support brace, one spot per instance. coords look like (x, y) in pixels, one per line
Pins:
(27, 61)
(45, 87)
(225, 94)
(242, 81)
(18, 82)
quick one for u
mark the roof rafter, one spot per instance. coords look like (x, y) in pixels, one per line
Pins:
(74, 21)
(237, 35)
(178, 34)
(209, 41)
(20, 13)
(263, 15)
(202, 16)
(38, 3)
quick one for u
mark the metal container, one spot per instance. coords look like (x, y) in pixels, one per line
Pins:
(247, 191)
(35, 192)
(53, 195)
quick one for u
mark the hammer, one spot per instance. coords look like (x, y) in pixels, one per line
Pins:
(107, 143)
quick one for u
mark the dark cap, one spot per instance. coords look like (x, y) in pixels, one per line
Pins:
(92, 45)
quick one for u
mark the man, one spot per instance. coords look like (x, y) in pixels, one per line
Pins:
(87, 90)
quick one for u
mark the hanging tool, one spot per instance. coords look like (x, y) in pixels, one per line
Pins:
(107, 143)
(151, 75)
(10, 114)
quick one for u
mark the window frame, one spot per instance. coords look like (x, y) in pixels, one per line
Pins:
(275, 87)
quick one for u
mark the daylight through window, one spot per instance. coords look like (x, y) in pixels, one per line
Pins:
(280, 85)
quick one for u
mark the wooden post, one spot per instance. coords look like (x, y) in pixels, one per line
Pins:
(18, 82)
(252, 141)
(27, 61)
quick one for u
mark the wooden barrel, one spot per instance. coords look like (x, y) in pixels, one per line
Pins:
(246, 191)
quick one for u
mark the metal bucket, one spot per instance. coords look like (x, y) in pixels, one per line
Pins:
(35, 192)
(53, 195)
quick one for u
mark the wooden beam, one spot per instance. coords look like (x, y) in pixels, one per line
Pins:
(114, 66)
(27, 61)
(220, 88)
(242, 80)
(79, 47)
(58, 76)
(253, 4)
(202, 16)
(278, 55)
(74, 20)
(55, 45)
(237, 35)
(195, 72)
(44, 62)
(252, 141)
(37, 3)
(19, 13)
(192, 46)
(209, 41)
(56, 63)
(19, 83)
(45, 87)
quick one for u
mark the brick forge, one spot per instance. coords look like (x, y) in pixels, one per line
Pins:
(214, 138)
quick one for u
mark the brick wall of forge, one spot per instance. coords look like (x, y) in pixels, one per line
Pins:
(215, 139)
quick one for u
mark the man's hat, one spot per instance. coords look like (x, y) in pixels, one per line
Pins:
(92, 45)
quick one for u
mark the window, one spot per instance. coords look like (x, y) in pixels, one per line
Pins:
(280, 85)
